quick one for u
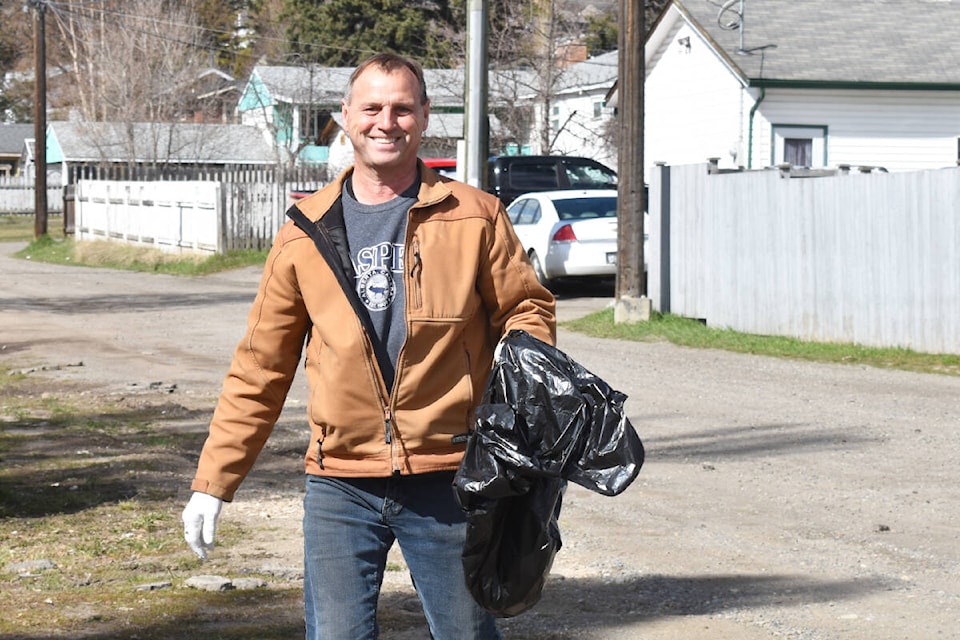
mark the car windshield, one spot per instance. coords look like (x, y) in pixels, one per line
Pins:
(589, 176)
(584, 208)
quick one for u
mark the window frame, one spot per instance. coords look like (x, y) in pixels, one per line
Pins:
(817, 134)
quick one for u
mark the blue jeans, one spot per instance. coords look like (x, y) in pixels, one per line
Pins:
(349, 525)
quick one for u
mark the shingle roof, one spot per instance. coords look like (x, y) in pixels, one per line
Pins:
(177, 143)
(325, 85)
(596, 72)
(839, 41)
(12, 137)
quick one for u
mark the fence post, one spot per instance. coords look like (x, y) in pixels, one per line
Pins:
(662, 209)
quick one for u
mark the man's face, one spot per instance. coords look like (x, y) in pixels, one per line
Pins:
(385, 120)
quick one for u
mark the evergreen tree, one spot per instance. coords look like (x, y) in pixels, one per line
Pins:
(344, 32)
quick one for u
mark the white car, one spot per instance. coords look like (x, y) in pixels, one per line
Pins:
(570, 233)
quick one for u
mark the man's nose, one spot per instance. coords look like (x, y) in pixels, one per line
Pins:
(388, 118)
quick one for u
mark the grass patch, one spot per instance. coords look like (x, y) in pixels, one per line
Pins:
(57, 249)
(116, 255)
(19, 228)
(94, 487)
(692, 333)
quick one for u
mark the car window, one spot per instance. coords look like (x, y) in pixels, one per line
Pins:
(534, 175)
(581, 175)
(526, 211)
(513, 211)
(586, 208)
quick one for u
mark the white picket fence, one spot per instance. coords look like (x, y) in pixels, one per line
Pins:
(865, 258)
(16, 195)
(170, 216)
(223, 212)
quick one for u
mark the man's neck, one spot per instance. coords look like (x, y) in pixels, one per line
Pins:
(372, 187)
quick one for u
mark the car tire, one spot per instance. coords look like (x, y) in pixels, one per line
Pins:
(538, 269)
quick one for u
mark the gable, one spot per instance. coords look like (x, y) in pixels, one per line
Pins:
(255, 95)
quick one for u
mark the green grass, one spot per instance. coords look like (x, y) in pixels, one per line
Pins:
(692, 333)
(19, 228)
(57, 249)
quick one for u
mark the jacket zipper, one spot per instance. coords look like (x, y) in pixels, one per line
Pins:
(415, 272)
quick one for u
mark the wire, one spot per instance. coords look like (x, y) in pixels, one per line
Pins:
(71, 8)
(725, 8)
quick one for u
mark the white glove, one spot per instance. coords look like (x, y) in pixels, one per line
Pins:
(200, 522)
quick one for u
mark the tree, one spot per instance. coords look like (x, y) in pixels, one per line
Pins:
(602, 32)
(344, 32)
(220, 35)
(16, 57)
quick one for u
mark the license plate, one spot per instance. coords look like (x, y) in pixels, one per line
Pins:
(612, 257)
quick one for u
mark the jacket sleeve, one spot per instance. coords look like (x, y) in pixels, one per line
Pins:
(256, 385)
(514, 297)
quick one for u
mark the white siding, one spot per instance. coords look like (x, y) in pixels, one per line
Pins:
(898, 130)
(693, 106)
(582, 134)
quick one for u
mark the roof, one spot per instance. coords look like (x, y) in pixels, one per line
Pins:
(598, 72)
(326, 85)
(850, 42)
(12, 137)
(151, 142)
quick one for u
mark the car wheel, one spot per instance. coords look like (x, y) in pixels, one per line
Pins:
(538, 269)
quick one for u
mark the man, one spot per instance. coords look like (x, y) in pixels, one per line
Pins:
(397, 285)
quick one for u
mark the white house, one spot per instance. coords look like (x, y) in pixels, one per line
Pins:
(813, 83)
(579, 116)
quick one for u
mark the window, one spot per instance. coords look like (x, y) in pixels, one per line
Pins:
(525, 211)
(800, 145)
(798, 151)
(597, 109)
(534, 176)
(586, 208)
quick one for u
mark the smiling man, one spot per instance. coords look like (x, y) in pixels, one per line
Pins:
(394, 285)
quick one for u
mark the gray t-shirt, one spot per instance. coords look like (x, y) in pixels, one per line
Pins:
(375, 235)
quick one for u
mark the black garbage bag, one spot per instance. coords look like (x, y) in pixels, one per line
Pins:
(544, 420)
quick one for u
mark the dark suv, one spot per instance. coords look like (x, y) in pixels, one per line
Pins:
(511, 176)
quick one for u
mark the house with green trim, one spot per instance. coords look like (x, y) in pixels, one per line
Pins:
(299, 107)
(817, 83)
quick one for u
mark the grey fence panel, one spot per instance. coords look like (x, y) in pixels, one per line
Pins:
(868, 258)
(16, 196)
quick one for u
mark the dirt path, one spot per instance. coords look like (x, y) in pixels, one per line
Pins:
(780, 499)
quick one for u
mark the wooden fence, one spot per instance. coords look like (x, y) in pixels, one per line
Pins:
(212, 212)
(16, 195)
(867, 258)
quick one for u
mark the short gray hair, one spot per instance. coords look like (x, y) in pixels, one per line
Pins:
(388, 63)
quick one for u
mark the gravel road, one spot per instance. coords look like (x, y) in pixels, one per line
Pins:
(779, 499)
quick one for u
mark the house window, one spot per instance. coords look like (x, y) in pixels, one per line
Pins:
(313, 126)
(798, 151)
(597, 109)
(799, 145)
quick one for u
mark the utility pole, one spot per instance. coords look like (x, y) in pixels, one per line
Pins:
(632, 304)
(475, 126)
(40, 117)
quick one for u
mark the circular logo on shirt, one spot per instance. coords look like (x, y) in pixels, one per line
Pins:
(377, 289)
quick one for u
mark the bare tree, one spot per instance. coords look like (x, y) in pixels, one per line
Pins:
(132, 62)
(529, 46)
